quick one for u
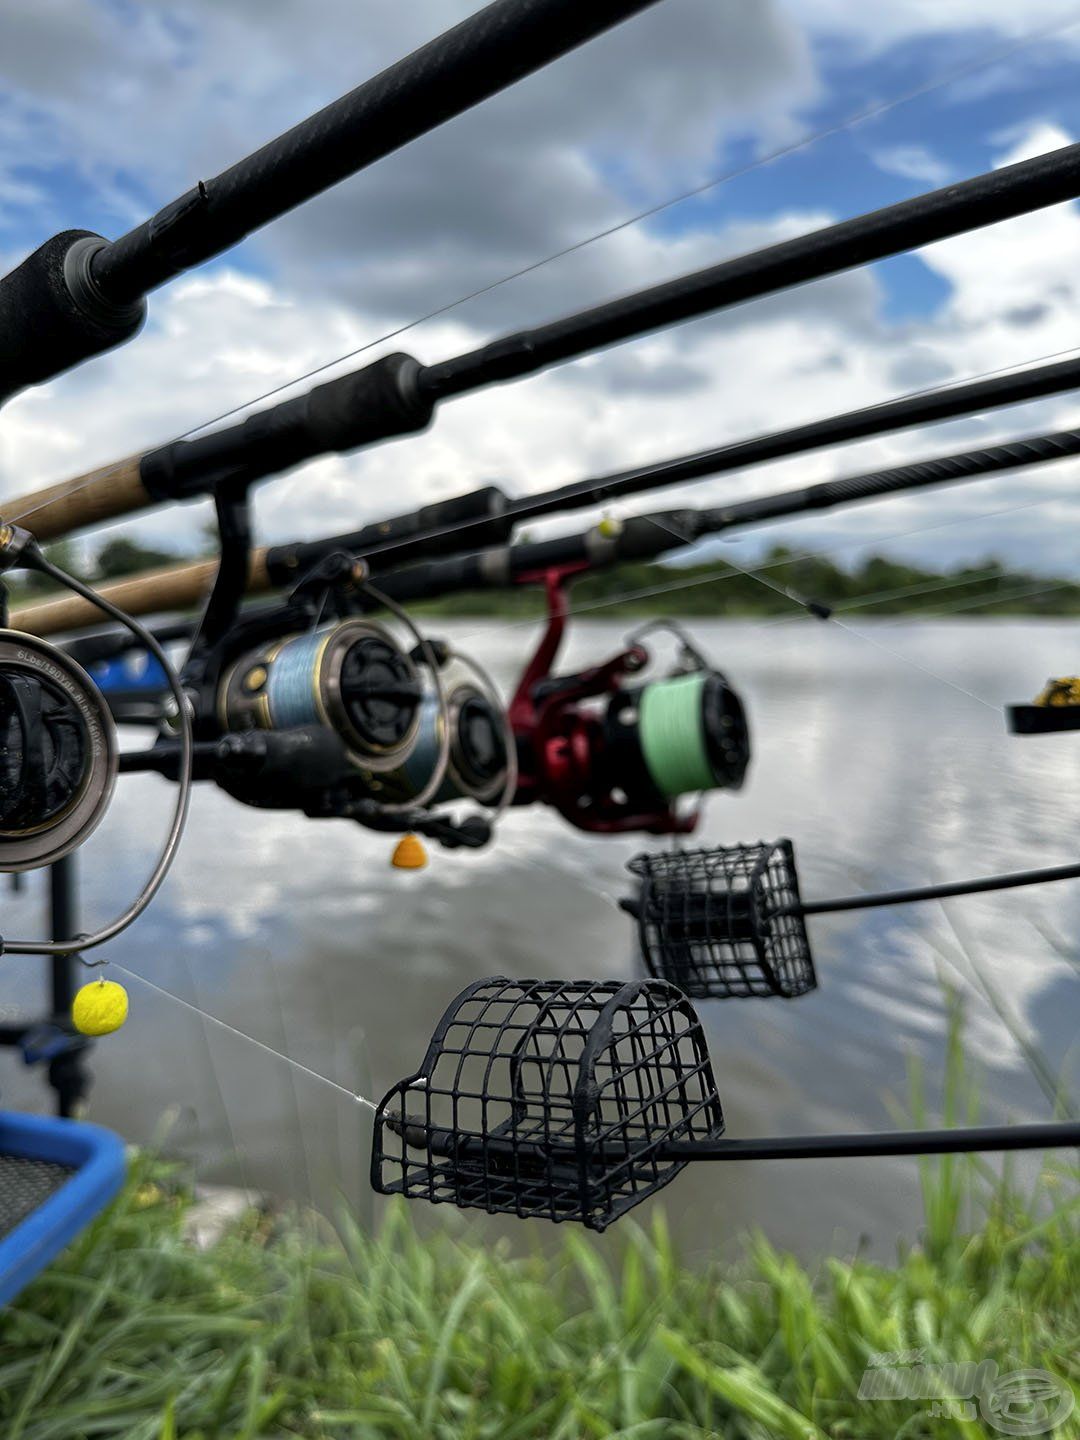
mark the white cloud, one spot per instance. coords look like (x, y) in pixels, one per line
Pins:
(874, 28)
(914, 162)
(218, 338)
(481, 200)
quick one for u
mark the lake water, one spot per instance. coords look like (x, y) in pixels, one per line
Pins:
(884, 773)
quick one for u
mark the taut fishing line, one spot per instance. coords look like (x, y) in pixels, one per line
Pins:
(589, 606)
(872, 111)
(242, 1035)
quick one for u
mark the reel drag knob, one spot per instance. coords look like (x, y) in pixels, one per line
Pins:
(57, 753)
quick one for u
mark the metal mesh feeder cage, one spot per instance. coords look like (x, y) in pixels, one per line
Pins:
(726, 922)
(551, 1099)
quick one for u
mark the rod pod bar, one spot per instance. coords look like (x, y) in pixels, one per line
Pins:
(397, 396)
(729, 922)
(576, 1100)
(79, 295)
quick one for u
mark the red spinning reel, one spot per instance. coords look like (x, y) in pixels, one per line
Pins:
(604, 753)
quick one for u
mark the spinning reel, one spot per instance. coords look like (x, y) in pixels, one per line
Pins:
(613, 756)
(58, 751)
(576, 1100)
(312, 705)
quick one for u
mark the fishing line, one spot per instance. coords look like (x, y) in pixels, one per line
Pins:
(659, 470)
(805, 141)
(988, 600)
(233, 1139)
(987, 59)
(1053, 1089)
(902, 592)
(849, 629)
(243, 1035)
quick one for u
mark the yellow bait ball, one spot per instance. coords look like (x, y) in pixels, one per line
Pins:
(610, 528)
(409, 854)
(100, 1008)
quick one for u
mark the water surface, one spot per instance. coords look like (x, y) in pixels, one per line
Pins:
(301, 935)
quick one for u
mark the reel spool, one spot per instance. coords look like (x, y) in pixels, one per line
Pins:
(676, 736)
(724, 923)
(57, 753)
(477, 757)
(602, 1073)
(353, 677)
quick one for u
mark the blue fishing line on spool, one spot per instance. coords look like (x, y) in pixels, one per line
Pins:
(292, 684)
(420, 765)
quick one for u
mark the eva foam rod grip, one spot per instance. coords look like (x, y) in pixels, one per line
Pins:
(362, 408)
(52, 315)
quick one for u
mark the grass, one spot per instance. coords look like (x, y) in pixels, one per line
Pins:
(274, 1332)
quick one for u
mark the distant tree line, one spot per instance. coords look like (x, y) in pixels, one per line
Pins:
(775, 585)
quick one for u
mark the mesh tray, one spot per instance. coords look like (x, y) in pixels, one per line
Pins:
(725, 923)
(55, 1176)
(25, 1185)
(549, 1099)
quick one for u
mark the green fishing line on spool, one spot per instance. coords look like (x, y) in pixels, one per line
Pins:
(673, 739)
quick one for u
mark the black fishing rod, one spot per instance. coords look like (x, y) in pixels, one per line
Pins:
(396, 395)
(644, 537)
(385, 546)
(484, 516)
(79, 294)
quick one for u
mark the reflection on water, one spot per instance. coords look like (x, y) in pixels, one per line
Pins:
(301, 935)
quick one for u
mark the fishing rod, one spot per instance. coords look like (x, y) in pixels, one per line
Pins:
(397, 395)
(621, 768)
(79, 294)
(730, 921)
(487, 514)
(576, 1100)
(431, 530)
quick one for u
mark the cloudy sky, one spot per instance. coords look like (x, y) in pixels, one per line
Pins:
(109, 108)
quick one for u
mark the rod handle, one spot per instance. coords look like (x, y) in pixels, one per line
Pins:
(53, 315)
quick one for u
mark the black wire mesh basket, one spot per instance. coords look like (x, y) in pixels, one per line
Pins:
(550, 1099)
(724, 923)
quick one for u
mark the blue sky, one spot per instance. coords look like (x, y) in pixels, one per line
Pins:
(110, 107)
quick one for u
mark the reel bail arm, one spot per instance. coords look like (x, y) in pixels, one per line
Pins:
(623, 765)
(76, 756)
